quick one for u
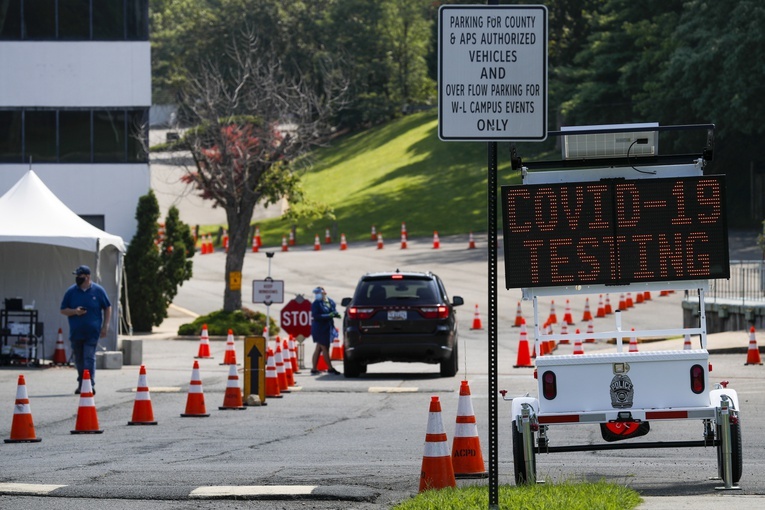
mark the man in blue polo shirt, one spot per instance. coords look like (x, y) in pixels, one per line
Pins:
(89, 311)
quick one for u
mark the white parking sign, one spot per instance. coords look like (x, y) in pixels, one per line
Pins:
(492, 73)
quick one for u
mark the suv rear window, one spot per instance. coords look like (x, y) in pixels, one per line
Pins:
(405, 291)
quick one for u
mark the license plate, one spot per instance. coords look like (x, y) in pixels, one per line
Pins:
(397, 315)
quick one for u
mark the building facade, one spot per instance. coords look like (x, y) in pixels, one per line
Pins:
(75, 93)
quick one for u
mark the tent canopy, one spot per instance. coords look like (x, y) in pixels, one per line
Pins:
(41, 242)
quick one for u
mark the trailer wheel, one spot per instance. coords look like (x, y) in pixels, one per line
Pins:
(737, 457)
(519, 464)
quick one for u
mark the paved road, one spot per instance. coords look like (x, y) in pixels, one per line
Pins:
(360, 440)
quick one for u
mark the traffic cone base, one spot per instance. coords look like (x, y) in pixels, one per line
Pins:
(87, 418)
(22, 427)
(467, 459)
(143, 413)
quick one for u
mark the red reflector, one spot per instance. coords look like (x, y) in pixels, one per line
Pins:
(697, 379)
(560, 418)
(549, 385)
(666, 415)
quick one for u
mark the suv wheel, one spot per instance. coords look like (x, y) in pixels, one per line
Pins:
(449, 366)
(352, 368)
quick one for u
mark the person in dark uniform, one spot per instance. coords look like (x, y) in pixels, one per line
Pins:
(322, 312)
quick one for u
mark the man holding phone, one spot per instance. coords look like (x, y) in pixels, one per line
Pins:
(89, 310)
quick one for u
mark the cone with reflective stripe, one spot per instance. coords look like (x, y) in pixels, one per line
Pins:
(287, 355)
(523, 360)
(471, 242)
(292, 238)
(629, 302)
(436, 241)
(204, 344)
(343, 243)
(281, 375)
(195, 401)
(59, 356)
(518, 316)
(590, 330)
(601, 311)
(143, 413)
(336, 353)
(255, 246)
(633, 342)
(272, 379)
(567, 318)
(437, 471)
(476, 319)
(294, 358)
(622, 303)
(467, 459)
(256, 237)
(552, 319)
(316, 243)
(22, 426)
(753, 353)
(229, 357)
(373, 234)
(232, 399)
(327, 236)
(284, 244)
(87, 418)
(403, 240)
(578, 349)
(564, 332)
(587, 315)
(607, 306)
(687, 343)
(380, 244)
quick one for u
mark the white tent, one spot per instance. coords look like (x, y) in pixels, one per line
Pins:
(41, 242)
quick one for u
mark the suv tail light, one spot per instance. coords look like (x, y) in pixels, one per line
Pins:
(435, 312)
(697, 379)
(360, 313)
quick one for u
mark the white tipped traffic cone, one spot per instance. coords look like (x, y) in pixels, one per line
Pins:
(467, 459)
(59, 356)
(195, 400)
(687, 343)
(143, 413)
(633, 342)
(232, 399)
(229, 357)
(343, 243)
(437, 471)
(22, 426)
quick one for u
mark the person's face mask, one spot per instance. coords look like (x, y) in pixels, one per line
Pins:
(317, 295)
(80, 280)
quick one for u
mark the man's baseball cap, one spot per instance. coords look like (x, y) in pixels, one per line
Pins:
(81, 270)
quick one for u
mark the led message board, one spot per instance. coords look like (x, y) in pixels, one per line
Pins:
(615, 232)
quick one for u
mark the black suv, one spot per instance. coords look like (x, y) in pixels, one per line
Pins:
(400, 316)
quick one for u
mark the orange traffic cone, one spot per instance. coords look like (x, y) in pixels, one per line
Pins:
(467, 459)
(476, 319)
(336, 353)
(564, 332)
(195, 401)
(229, 357)
(753, 353)
(436, 242)
(664, 293)
(272, 379)
(210, 247)
(291, 241)
(590, 330)
(622, 303)
(321, 365)
(646, 295)
(22, 426)
(294, 357)
(232, 399)
(343, 243)
(601, 311)
(202, 246)
(518, 316)
(204, 344)
(578, 349)
(607, 306)
(633, 343)
(379, 241)
(587, 315)
(143, 413)
(284, 244)
(87, 419)
(437, 471)
(281, 374)
(316, 243)
(287, 355)
(403, 240)
(256, 237)
(638, 297)
(255, 245)
(567, 318)
(687, 343)
(552, 319)
(327, 237)
(59, 356)
(523, 360)
(629, 302)
(373, 235)
(471, 242)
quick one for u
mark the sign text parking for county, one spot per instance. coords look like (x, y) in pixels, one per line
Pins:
(492, 73)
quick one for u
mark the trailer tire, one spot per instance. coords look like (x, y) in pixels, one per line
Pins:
(519, 464)
(737, 457)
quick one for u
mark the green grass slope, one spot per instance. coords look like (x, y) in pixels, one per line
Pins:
(397, 172)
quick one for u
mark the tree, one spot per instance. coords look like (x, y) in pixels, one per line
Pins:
(155, 270)
(253, 121)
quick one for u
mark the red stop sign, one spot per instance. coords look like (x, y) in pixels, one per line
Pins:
(295, 317)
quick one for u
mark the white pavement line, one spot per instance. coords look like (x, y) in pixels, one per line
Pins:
(28, 488)
(391, 389)
(219, 491)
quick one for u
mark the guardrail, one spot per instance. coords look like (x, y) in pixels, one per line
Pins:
(746, 285)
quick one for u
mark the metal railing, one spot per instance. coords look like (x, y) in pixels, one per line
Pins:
(746, 285)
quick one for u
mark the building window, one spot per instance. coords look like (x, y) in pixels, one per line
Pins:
(74, 135)
(74, 20)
